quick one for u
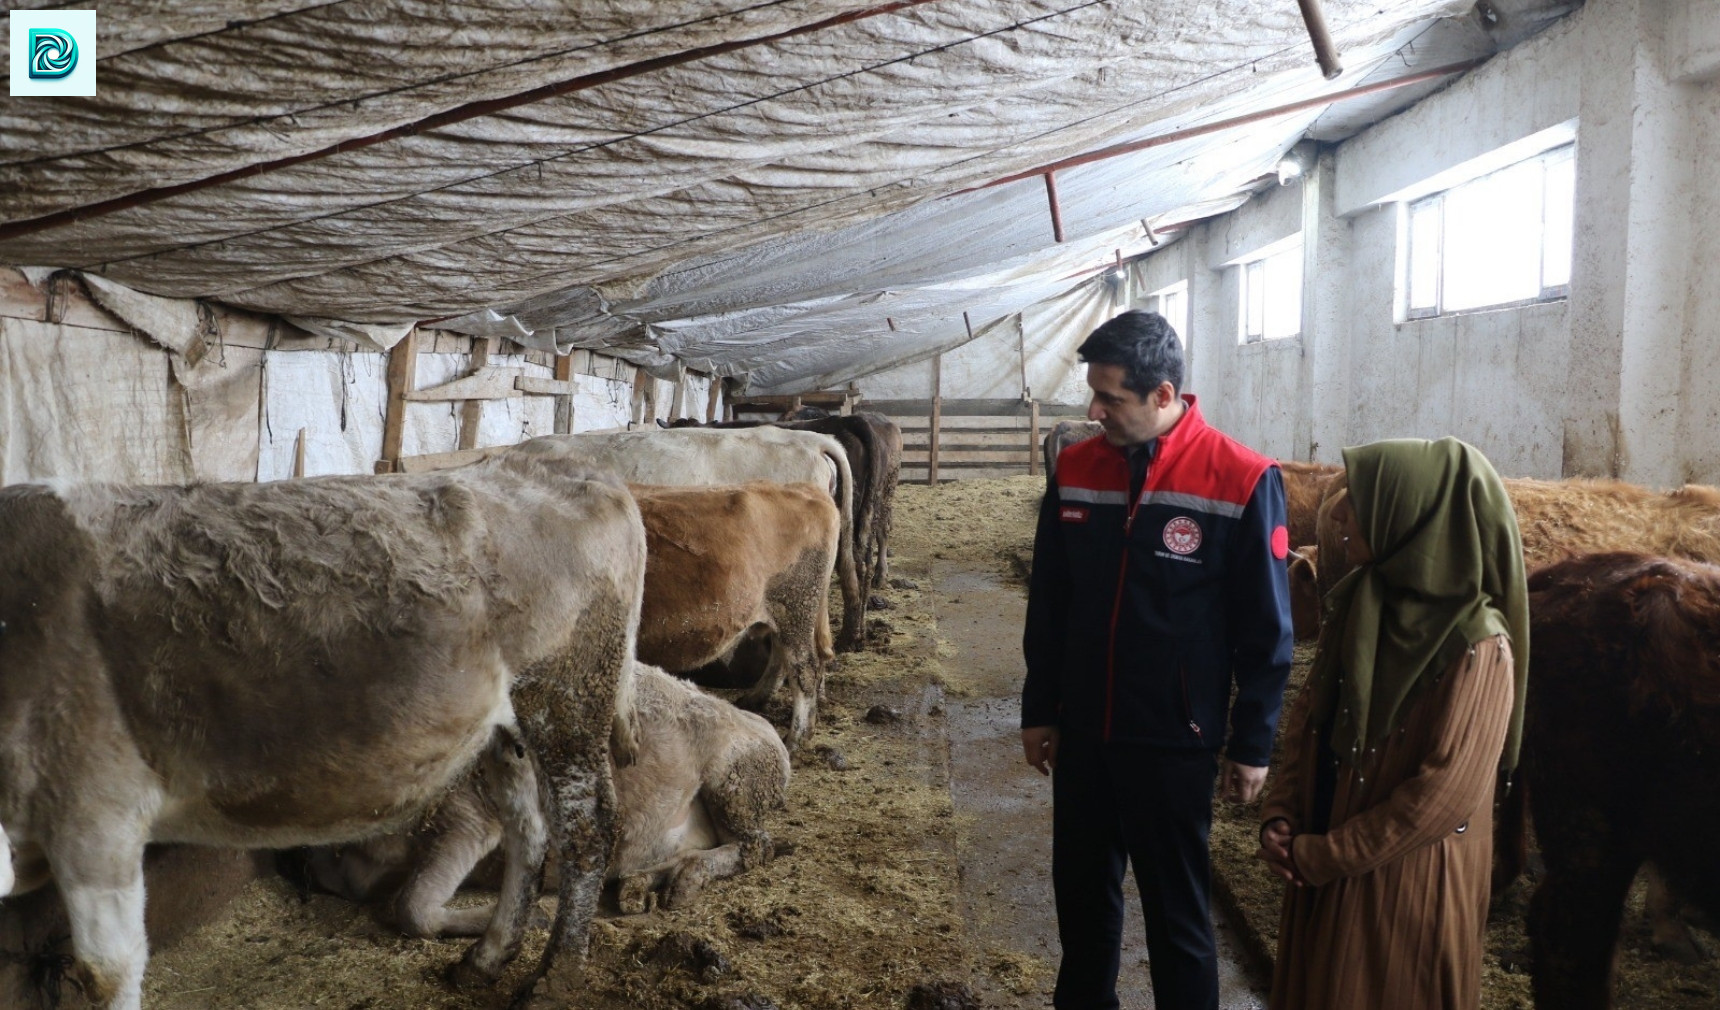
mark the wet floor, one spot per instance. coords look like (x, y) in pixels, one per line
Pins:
(1005, 855)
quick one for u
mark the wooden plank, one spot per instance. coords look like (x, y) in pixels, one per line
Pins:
(441, 460)
(711, 399)
(564, 403)
(638, 413)
(489, 384)
(299, 454)
(678, 401)
(937, 414)
(472, 411)
(402, 371)
(972, 408)
(1010, 456)
(1033, 440)
(531, 385)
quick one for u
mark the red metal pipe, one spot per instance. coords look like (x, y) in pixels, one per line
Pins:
(474, 110)
(1056, 209)
(1228, 124)
(1324, 51)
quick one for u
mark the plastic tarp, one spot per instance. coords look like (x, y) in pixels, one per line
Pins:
(760, 212)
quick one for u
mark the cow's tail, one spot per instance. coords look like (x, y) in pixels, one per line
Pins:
(853, 600)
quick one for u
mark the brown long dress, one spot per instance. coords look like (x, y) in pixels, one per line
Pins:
(1395, 905)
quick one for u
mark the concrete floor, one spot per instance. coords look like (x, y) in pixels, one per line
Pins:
(1005, 856)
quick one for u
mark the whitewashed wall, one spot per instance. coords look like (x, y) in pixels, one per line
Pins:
(1621, 379)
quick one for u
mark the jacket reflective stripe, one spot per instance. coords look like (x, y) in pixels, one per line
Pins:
(1092, 497)
(1176, 499)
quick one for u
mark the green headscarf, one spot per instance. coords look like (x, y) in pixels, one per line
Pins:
(1447, 573)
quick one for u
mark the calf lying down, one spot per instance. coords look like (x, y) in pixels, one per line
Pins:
(692, 807)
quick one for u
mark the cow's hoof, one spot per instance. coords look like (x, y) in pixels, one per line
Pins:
(466, 976)
(686, 886)
(633, 896)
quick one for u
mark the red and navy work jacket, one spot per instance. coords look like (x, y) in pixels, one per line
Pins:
(1142, 614)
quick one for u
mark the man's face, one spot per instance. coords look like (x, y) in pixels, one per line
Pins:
(1129, 419)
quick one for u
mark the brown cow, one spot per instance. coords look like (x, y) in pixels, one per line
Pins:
(1621, 750)
(1305, 487)
(692, 809)
(269, 665)
(699, 457)
(741, 569)
(873, 443)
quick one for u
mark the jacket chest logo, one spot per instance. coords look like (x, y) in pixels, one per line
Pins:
(1074, 513)
(1182, 535)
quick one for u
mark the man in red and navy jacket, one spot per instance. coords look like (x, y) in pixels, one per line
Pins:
(1159, 585)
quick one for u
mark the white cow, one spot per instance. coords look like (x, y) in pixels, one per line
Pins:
(308, 662)
(692, 808)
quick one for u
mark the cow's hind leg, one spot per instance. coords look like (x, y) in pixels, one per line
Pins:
(507, 776)
(101, 882)
(1573, 927)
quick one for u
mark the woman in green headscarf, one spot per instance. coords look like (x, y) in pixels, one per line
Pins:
(1381, 814)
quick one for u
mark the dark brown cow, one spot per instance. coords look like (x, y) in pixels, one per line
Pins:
(1064, 434)
(741, 569)
(270, 665)
(1620, 755)
(692, 810)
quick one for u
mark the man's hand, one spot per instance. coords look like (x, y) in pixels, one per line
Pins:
(1275, 849)
(1242, 783)
(1040, 745)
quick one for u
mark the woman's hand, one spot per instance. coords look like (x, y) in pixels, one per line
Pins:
(1275, 840)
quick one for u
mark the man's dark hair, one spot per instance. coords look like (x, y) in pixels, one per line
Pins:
(1144, 344)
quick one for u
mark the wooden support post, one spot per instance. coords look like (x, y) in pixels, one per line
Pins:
(678, 402)
(402, 376)
(299, 455)
(640, 413)
(1033, 439)
(564, 404)
(711, 399)
(937, 417)
(472, 411)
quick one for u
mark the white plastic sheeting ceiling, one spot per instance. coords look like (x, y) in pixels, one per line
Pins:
(790, 211)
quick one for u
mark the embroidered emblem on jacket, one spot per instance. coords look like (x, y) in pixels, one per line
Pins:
(1182, 535)
(1074, 514)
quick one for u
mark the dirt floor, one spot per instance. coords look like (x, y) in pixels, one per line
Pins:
(889, 875)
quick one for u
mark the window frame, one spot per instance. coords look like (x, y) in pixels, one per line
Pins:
(1548, 293)
(1252, 279)
(1155, 302)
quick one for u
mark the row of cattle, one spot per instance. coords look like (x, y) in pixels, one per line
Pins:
(1621, 745)
(324, 661)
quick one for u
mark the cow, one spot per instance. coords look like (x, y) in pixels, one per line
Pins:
(315, 661)
(744, 570)
(1305, 487)
(1621, 749)
(1305, 592)
(1064, 434)
(702, 456)
(691, 810)
(186, 887)
(873, 443)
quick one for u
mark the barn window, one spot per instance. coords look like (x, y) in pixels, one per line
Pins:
(1172, 303)
(1502, 239)
(1271, 286)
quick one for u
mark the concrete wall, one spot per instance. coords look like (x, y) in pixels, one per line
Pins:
(1621, 379)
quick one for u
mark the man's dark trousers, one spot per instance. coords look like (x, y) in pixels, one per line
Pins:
(1151, 806)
